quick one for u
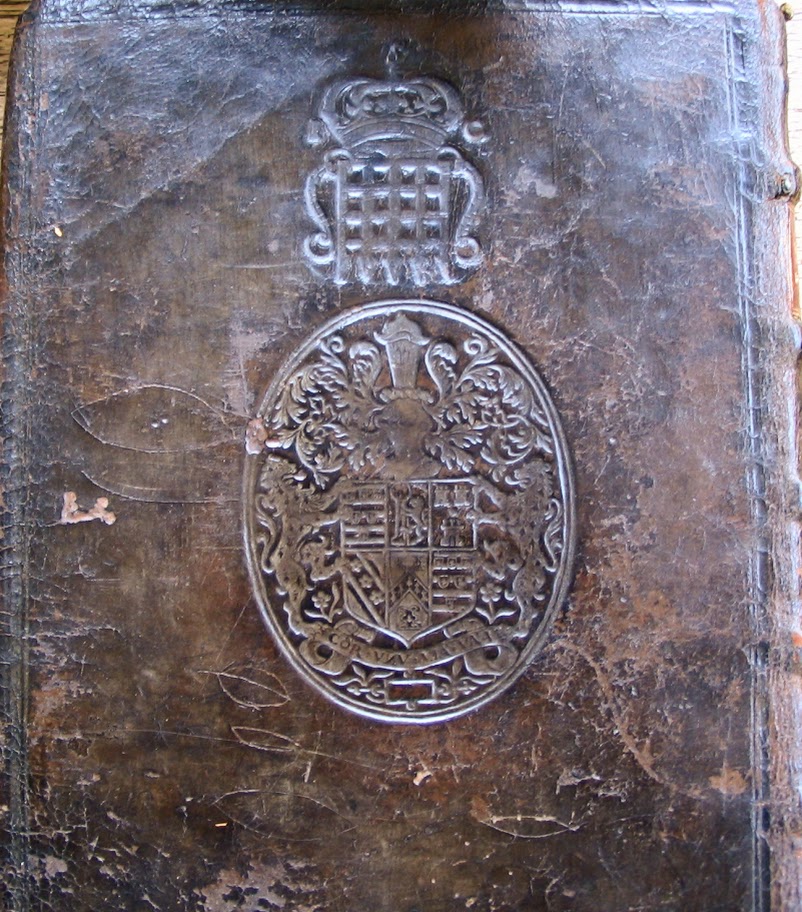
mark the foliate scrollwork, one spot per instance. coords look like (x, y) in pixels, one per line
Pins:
(410, 513)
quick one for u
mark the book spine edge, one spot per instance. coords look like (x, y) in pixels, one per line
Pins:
(777, 650)
(15, 371)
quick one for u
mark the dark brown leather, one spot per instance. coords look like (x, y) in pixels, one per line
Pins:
(615, 229)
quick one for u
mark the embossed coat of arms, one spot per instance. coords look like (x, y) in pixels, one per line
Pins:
(409, 510)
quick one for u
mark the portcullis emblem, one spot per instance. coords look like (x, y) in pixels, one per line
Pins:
(409, 511)
(395, 200)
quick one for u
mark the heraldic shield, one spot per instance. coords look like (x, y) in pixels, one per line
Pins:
(410, 549)
(409, 511)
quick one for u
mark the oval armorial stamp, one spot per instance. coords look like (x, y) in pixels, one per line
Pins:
(409, 511)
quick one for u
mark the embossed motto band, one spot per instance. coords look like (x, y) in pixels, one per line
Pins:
(409, 511)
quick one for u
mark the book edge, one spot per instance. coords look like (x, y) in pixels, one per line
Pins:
(15, 362)
(776, 653)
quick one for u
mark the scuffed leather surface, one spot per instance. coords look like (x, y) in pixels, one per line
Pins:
(174, 761)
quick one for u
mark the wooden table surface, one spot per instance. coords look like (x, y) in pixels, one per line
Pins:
(11, 9)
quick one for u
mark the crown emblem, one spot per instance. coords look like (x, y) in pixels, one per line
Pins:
(395, 202)
(424, 111)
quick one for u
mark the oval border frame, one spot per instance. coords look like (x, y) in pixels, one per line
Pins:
(565, 473)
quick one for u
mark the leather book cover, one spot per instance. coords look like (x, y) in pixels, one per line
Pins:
(400, 492)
